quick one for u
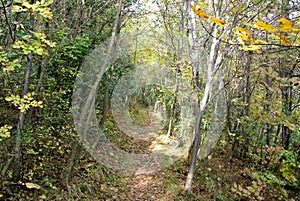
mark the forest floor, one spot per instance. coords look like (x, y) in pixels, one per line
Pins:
(221, 176)
(213, 183)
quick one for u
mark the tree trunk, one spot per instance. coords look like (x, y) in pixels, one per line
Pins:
(72, 161)
(76, 148)
(212, 67)
(18, 140)
(247, 101)
(192, 168)
(105, 107)
(193, 45)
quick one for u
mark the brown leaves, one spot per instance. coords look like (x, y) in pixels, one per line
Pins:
(252, 192)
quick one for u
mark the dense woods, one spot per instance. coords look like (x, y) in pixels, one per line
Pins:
(149, 100)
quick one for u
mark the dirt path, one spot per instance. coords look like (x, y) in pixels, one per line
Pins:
(146, 187)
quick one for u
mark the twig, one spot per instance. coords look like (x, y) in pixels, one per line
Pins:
(5, 168)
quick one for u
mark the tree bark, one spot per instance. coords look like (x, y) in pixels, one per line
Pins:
(193, 45)
(212, 67)
(72, 161)
(18, 140)
(105, 107)
(76, 148)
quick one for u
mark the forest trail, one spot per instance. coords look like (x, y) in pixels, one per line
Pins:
(212, 174)
(166, 184)
(214, 177)
(148, 186)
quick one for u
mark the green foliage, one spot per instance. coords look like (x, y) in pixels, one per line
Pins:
(285, 175)
(288, 167)
(269, 178)
(60, 42)
(139, 113)
(61, 74)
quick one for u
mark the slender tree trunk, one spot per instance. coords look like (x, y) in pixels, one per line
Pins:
(72, 161)
(193, 45)
(287, 103)
(42, 71)
(105, 108)
(11, 36)
(247, 100)
(173, 109)
(75, 153)
(192, 168)
(18, 140)
(136, 42)
(211, 70)
(286, 90)
(268, 127)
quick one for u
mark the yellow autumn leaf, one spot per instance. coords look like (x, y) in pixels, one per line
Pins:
(289, 124)
(36, 104)
(218, 21)
(247, 24)
(8, 69)
(103, 187)
(199, 12)
(231, 42)
(39, 103)
(243, 31)
(286, 25)
(251, 47)
(5, 131)
(260, 41)
(30, 6)
(45, 12)
(264, 25)
(9, 98)
(32, 185)
(242, 35)
(17, 8)
(17, 45)
(284, 40)
(22, 108)
(49, 2)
